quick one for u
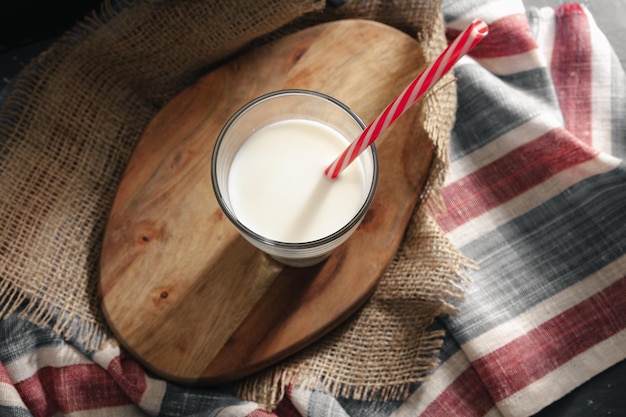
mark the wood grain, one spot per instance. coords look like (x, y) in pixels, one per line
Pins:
(183, 292)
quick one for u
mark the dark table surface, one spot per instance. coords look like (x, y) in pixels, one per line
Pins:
(26, 29)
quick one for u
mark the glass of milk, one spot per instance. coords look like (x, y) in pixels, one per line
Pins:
(268, 175)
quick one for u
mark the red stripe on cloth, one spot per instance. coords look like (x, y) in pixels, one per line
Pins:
(571, 69)
(4, 375)
(551, 345)
(129, 376)
(68, 389)
(507, 36)
(285, 408)
(466, 396)
(511, 175)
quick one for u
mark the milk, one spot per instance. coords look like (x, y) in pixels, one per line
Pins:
(278, 189)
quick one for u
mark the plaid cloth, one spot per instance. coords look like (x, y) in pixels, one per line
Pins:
(536, 196)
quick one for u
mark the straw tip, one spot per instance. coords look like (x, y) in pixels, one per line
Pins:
(480, 27)
(330, 173)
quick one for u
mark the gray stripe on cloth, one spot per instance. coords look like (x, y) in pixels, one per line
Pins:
(485, 114)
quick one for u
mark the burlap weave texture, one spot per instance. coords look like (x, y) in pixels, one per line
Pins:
(68, 128)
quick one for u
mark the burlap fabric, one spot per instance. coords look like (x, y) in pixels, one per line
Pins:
(68, 128)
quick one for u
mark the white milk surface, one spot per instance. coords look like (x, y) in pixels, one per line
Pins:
(277, 185)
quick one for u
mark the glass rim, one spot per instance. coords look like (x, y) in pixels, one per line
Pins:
(277, 243)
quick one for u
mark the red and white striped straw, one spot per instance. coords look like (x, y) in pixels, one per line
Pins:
(469, 38)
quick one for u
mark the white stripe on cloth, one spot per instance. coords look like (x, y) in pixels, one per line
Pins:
(300, 399)
(601, 86)
(545, 33)
(240, 410)
(549, 308)
(436, 384)
(9, 397)
(494, 412)
(512, 64)
(534, 197)
(564, 379)
(52, 356)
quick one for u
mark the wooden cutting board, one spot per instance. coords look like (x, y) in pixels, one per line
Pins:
(181, 290)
